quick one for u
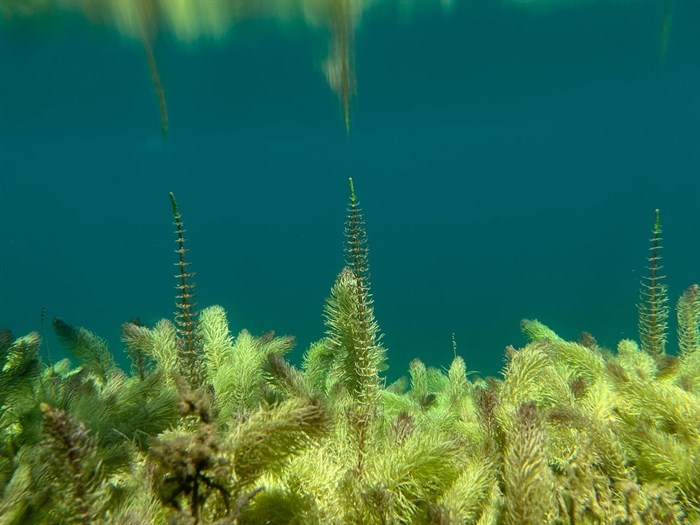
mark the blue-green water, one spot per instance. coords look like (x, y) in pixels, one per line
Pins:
(508, 161)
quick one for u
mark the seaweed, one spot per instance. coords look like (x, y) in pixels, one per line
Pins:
(688, 313)
(353, 337)
(653, 299)
(74, 468)
(185, 314)
(209, 427)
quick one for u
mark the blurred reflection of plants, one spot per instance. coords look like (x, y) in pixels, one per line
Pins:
(195, 20)
(191, 21)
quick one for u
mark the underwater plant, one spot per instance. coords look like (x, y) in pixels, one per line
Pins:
(653, 299)
(214, 428)
(185, 313)
(353, 332)
(688, 316)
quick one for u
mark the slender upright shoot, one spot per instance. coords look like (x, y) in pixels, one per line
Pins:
(653, 299)
(354, 330)
(367, 336)
(688, 315)
(185, 313)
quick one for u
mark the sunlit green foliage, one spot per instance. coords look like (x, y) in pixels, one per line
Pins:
(569, 432)
(688, 314)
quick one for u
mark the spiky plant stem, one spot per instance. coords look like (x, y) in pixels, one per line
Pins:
(529, 486)
(185, 313)
(74, 466)
(367, 352)
(653, 299)
(688, 313)
(356, 258)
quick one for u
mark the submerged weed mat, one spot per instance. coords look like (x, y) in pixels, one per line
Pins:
(209, 427)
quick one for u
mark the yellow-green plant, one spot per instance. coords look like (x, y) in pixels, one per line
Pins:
(688, 314)
(353, 337)
(569, 432)
(529, 483)
(73, 469)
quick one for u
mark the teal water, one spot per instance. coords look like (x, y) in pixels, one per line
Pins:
(508, 160)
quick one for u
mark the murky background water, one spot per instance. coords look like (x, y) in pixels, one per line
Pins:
(508, 157)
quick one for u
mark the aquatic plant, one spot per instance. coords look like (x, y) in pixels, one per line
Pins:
(185, 313)
(688, 316)
(226, 430)
(353, 332)
(74, 468)
(653, 299)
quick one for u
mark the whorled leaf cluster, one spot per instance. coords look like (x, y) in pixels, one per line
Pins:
(569, 432)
